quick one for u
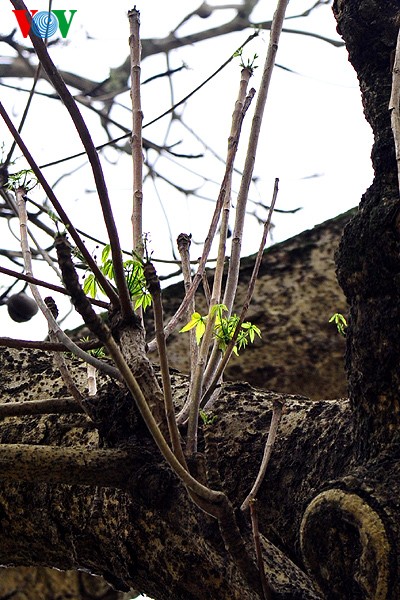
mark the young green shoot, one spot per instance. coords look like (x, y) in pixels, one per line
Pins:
(341, 324)
(224, 328)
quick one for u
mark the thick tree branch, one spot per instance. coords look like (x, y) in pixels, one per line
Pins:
(73, 466)
(40, 407)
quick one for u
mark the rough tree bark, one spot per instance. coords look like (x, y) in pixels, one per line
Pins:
(296, 294)
(328, 508)
(368, 260)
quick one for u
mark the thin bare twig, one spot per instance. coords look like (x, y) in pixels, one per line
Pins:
(59, 358)
(234, 264)
(183, 100)
(229, 349)
(7, 342)
(273, 429)
(124, 298)
(50, 313)
(267, 591)
(49, 286)
(241, 106)
(224, 196)
(183, 242)
(394, 105)
(52, 323)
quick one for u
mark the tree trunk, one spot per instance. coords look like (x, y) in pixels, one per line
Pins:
(369, 260)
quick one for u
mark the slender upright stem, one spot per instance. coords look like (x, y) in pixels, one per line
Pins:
(394, 105)
(237, 119)
(234, 265)
(184, 242)
(266, 589)
(228, 352)
(54, 328)
(224, 196)
(154, 287)
(136, 140)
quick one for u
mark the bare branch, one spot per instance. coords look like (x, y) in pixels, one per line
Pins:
(267, 591)
(250, 291)
(224, 197)
(40, 407)
(273, 429)
(83, 132)
(234, 265)
(154, 287)
(136, 140)
(183, 242)
(7, 342)
(54, 328)
(49, 286)
(394, 105)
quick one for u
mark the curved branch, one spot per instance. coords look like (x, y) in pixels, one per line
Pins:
(83, 132)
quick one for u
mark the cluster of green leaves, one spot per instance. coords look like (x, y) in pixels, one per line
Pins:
(24, 178)
(340, 322)
(250, 63)
(96, 352)
(207, 418)
(134, 275)
(224, 328)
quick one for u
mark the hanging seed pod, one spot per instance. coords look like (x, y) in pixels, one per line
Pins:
(21, 308)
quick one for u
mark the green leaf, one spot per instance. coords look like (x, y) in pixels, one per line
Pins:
(143, 300)
(90, 285)
(108, 268)
(199, 323)
(218, 309)
(105, 253)
(194, 320)
(207, 418)
(340, 322)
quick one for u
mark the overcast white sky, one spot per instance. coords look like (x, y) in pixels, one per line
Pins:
(314, 137)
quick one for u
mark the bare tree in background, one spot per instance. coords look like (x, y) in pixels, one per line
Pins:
(109, 97)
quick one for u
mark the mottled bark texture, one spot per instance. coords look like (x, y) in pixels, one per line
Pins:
(296, 293)
(368, 260)
(41, 583)
(144, 532)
